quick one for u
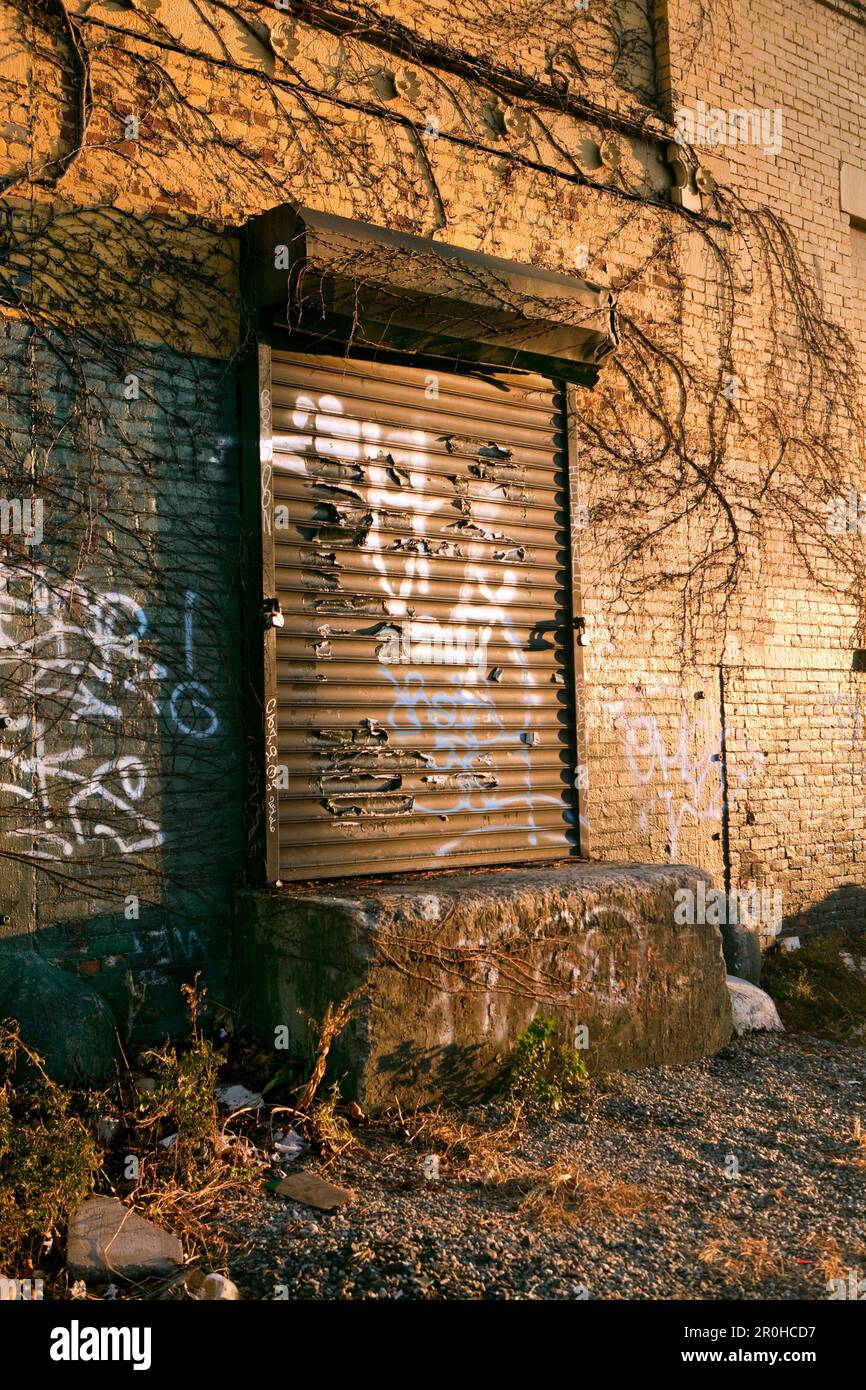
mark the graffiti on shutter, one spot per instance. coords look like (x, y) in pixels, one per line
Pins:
(422, 571)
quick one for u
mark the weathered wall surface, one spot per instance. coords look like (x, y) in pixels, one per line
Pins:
(119, 658)
(791, 704)
(721, 713)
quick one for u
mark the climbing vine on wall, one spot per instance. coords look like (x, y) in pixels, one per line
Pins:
(145, 136)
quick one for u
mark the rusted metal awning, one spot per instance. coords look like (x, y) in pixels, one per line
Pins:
(332, 282)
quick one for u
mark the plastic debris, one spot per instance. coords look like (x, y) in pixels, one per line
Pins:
(430, 1167)
(208, 1287)
(195, 1284)
(236, 1148)
(289, 1145)
(235, 1098)
(107, 1129)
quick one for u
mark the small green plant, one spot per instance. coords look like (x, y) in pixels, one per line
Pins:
(546, 1073)
(184, 1101)
(328, 1129)
(48, 1159)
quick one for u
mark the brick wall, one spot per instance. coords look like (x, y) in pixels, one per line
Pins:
(119, 653)
(723, 725)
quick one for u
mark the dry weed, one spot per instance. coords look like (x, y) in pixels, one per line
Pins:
(330, 1027)
(738, 1254)
(560, 1196)
(829, 1259)
(486, 1153)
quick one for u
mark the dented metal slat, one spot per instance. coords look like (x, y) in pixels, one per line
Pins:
(342, 525)
(422, 782)
(341, 752)
(471, 723)
(393, 821)
(412, 450)
(337, 562)
(450, 489)
(302, 761)
(476, 404)
(301, 607)
(420, 552)
(302, 650)
(408, 456)
(353, 376)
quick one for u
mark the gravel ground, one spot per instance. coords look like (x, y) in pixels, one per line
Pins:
(787, 1108)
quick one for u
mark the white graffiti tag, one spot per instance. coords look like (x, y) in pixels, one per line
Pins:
(77, 676)
(687, 781)
(447, 706)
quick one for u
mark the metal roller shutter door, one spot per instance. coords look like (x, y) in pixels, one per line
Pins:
(420, 553)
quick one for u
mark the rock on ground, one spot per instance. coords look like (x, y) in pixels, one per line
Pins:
(106, 1239)
(60, 1017)
(752, 1008)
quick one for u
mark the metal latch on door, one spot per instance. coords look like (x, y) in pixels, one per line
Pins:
(576, 624)
(272, 613)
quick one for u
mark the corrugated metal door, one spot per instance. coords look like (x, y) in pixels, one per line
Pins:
(420, 560)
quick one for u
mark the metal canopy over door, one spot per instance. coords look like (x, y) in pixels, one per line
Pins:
(420, 679)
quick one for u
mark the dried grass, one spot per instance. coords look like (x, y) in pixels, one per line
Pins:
(858, 1138)
(325, 1032)
(486, 1153)
(558, 1196)
(738, 1254)
(829, 1259)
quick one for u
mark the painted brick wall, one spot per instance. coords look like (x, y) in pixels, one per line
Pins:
(784, 660)
(119, 654)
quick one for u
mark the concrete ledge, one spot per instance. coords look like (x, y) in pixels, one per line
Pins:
(457, 964)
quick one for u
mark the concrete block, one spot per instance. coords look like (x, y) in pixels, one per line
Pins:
(456, 966)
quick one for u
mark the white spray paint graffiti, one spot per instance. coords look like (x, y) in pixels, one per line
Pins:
(74, 658)
(687, 781)
(471, 736)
